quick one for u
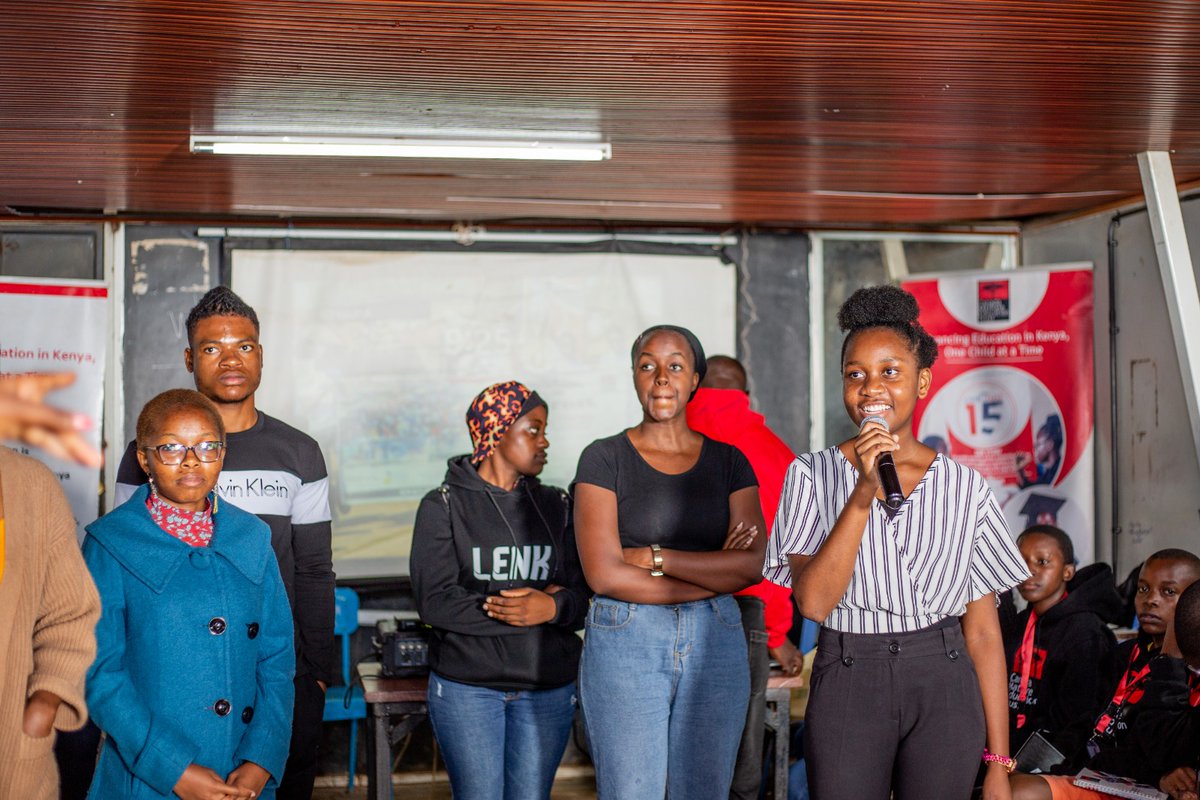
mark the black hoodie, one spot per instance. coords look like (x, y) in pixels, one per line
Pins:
(470, 540)
(1157, 733)
(1070, 642)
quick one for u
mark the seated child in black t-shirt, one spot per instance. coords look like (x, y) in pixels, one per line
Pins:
(1149, 727)
(1054, 645)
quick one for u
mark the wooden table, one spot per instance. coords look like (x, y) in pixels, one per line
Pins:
(395, 707)
(779, 720)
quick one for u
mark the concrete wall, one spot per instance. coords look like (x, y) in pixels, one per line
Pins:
(1157, 474)
(773, 331)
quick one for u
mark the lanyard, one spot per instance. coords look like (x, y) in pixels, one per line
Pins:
(1025, 662)
(1124, 689)
(1025, 658)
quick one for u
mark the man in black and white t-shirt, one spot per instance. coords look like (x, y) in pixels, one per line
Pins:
(278, 473)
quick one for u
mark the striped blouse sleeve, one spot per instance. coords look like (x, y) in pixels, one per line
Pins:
(797, 529)
(996, 563)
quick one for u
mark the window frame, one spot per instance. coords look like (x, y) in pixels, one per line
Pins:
(1009, 260)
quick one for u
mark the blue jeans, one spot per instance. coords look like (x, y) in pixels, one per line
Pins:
(500, 745)
(664, 691)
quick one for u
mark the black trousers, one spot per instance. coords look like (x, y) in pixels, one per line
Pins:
(748, 769)
(307, 716)
(897, 714)
(76, 753)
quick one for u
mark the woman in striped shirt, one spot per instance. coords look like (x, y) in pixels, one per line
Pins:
(903, 696)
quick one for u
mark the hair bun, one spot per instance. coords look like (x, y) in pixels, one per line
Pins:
(875, 306)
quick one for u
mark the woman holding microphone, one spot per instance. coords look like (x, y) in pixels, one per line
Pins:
(904, 697)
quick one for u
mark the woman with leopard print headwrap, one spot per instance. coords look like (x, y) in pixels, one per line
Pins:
(496, 574)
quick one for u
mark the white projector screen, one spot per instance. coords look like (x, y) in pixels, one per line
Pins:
(378, 354)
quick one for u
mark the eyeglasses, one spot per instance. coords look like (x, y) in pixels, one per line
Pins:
(173, 454)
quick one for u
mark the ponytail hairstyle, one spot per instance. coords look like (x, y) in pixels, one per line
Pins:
(887, 307)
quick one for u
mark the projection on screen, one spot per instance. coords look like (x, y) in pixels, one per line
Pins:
(377, 356)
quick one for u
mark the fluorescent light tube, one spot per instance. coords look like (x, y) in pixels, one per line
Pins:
(401, 148)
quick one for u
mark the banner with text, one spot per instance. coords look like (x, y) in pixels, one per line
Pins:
(1012, 393)
(60, 326)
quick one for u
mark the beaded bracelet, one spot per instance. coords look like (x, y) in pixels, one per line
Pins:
(1007, 762)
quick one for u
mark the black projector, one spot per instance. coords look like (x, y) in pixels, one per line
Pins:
(403, 647)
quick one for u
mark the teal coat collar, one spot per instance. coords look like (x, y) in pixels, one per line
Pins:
(130, 534)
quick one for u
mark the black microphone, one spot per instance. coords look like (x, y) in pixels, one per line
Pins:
(885, 465)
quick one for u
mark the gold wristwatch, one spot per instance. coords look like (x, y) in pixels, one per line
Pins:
(656, 561)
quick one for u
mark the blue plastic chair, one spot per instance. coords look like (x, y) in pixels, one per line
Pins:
(342, 703)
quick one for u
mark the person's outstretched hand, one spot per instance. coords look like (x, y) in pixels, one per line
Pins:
(25, 417)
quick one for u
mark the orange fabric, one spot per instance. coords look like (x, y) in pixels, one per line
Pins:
(1061, 788)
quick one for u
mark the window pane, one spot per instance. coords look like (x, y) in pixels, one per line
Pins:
(951, 256)
(48, 255)
(849, 265)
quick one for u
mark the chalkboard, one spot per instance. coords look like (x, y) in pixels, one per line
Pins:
(168, 270)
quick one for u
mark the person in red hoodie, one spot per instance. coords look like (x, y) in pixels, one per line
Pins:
(721, 411)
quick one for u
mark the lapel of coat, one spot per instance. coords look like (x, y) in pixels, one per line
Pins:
(234, 535)
(132, 537)
(152, 555)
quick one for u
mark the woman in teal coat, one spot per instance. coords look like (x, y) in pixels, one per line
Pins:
(192, 683)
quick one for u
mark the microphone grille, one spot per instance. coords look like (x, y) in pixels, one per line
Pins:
(874, 418)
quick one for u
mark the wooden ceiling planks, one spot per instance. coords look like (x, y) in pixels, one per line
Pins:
(804, 114)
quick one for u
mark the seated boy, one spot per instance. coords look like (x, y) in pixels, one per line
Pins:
(1162, 578)
(1054, 645)
(1181, 783)
(1147, 728)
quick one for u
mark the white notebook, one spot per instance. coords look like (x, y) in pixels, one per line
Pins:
(1117, 786)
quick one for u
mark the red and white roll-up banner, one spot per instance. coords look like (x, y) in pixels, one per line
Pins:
(60, 326)
(1013, 394)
